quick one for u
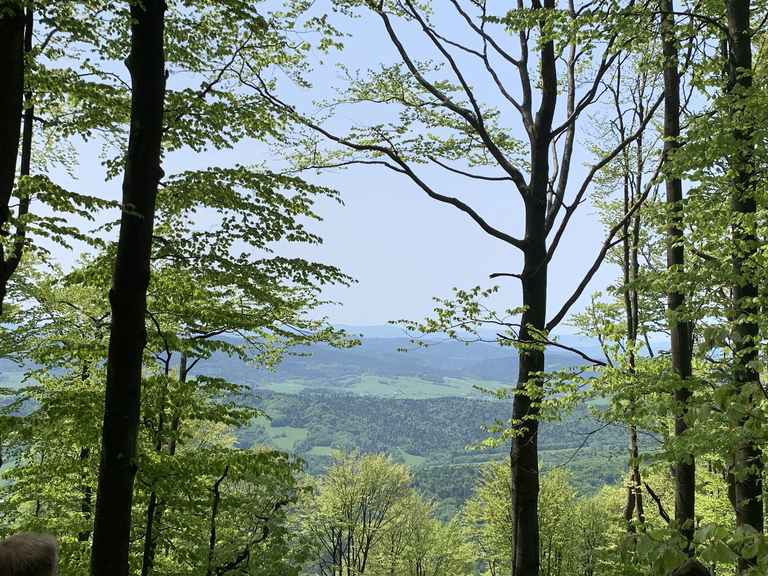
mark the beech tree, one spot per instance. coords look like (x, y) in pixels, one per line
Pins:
(712, 281)
(353, 511)
(746, 199)
(127, 296)
(16, 33)
(539, 67)
(37, 79)
(680, 323)
(723, 203)
(201, 294)
(163, 119)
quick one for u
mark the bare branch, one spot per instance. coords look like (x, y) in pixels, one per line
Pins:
(510, 274)
(547, 342)
(468, 174)
(662, 512)
(404, 168)
(473, 118)
(569, 210)
(488, 40)
(607, 245)
(583, 443)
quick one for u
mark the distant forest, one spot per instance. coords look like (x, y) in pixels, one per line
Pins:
(435, 436)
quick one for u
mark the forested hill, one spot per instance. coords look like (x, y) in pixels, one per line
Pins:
(388, 367)
(428, 432)
(419, 405)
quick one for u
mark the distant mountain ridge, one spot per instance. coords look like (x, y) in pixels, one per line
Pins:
(330, 369)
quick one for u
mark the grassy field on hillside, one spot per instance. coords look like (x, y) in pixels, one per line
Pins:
(389, 387)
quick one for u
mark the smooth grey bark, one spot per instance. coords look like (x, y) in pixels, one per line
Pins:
(634, 506)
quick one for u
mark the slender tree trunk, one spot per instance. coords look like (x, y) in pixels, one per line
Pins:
(129, 292)
(150, 538)
(631, 267)
(681, 345)
(15, 40)
(748, 486)
(524, 453)
(634, 506)
(86, 503)
(214, 516)
(156, 507)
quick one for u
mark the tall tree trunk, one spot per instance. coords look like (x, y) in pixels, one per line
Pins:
(12, 40)
(524, 454)
(128, 294)
(681, 345)
(748, 487)
(524, 451)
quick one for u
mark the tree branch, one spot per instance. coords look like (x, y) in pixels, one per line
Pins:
(246, 552)
(474, 119)
(569, 210)
(662, 512)
(404, 168)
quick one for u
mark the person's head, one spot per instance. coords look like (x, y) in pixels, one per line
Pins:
(29, 554)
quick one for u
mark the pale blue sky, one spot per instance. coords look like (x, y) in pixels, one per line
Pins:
(401, 246)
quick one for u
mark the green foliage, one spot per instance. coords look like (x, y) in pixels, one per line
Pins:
(365, 517)
(52, 432)
(220, 287)
(209, 280)
(575, 531)
(486, 518)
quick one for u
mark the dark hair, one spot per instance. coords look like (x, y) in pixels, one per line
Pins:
(29, 554)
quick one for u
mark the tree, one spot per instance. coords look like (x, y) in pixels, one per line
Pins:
(359, 508)
(189, 310)
(745, 289)
(127, 296)
(194, 119)
(439, 550)
(572, 532)
(16, 33)
(486, 519)
(730, 234)
(440, 124)
(248, 289)
(421, 545)
(41, 89)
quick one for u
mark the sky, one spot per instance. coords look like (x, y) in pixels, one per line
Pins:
(405, 248)
(402, 247)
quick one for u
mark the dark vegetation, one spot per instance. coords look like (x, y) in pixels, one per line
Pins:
(439, 432)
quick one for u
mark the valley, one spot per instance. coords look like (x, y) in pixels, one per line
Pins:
(422, 406)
